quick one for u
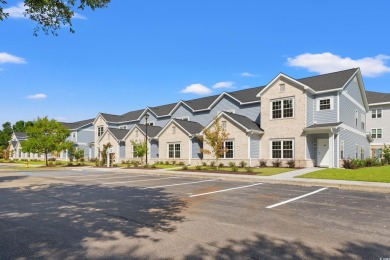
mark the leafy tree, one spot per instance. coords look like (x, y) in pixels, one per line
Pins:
(215, 138)
(5, 135)
(140, 149)
(103, 153)
(21, 126)
(79, 154)
(386, 154)
(50, 15)
(46, 136)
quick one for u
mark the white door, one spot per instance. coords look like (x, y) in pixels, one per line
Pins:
(323, 152)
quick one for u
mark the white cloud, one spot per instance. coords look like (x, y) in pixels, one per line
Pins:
(197, 89)
(247, 74)
(8, 58)
(327, 62)
(224, 84)
(37, 96)
(18, 12)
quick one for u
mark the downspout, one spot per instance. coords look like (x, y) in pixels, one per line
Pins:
(189, 150)
(249, 149)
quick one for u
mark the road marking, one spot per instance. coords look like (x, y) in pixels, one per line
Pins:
(92, 175)
(178, 184)
(154, 179)
(113, 177)
(293, 199)
(78, 170)
(241, 187)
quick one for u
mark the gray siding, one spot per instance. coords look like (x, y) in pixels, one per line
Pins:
(382, 123)
(154, 149)
(347, 113)
(196, 146)
(152, 118)
(353, 90)
(182, 111)
(255, 147)
(325, 116)
(352, 139)
(310, 109)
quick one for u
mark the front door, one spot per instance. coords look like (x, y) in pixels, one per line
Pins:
(323, 152)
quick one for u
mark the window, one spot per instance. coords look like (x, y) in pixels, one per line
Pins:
(363, 121)
(74, 134)
(173, 129)
(282, 149)
(324, 104)
(223, 124)
(356, 117)
(341, 149)
(185, 118)
(282, 108)
(151, 123)
(100, 130)
(362, 152)
(229, 150)
(123, 127)
(376, 133)
(282, 87)
(173, 150)
(377, 113)
(357, 152)
(136, 133)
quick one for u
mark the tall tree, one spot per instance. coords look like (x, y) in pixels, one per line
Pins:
(5, 135)
(140, 149)
(20, 126)
(46, 136)
(214, 137)
(50, 15)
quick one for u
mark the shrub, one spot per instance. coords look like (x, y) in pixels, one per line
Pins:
(232, 164)
(153, 166)
(198, 167)
(181, 163)
(113, 165)
(291, 163)
(185, 167)
(96, 163)
(386, 154)
(348, 164)
(212, 164)
(173, 162)
(166, 163)
(93, 159)
(70, 164)
(204, 164)
(249, 169)
(146, 165)
(263, 163)
(277, 163)
(58, 163)
(234, 168)
(136, 163)
(243, 164)
(220, 165)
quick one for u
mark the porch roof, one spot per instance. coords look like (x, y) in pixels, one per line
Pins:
(317, 128)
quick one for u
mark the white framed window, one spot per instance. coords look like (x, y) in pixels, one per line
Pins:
(282, 149)
(362, 152)
(376, 133)
(356, 117)
(223, 123)
(282, 87)
(174, 150)
(100, 130)
(325, 104)
(282, 108)
(357, 152)
(185, 118)
(123, 127)
(376, 113)
(229, 147)
(342, 150)
(173, 129)
(363, 121)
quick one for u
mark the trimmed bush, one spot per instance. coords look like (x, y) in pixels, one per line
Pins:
(198, 167)
(263, 163)
(277, 163)
(204, 164)
(234, 168)
(232, 164)
(220, 165)
(249, 169)
(243, 164)
(212, 164)
(185, 167)
(291, 163)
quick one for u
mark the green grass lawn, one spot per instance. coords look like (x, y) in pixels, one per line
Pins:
(267, 171)
(374, 174)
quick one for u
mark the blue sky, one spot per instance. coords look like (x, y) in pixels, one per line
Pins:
(135, 54)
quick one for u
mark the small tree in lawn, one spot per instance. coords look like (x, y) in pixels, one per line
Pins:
(214, 137)
(139, 149)
(386, 154)
(46, 136)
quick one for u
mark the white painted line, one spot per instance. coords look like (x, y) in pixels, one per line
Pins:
(178, 184)
(297, 198)
(241, 187)
(113, 177)
(155, 179)
(93, 175)
(78, 170)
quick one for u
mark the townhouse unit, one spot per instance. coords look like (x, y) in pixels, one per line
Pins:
(316, 121)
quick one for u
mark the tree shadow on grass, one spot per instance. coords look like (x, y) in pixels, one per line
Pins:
(75, 221)
(265, 247)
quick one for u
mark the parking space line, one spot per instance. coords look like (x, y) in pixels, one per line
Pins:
(296, 198)
(154, 179)
(92, 175)
(236, 188)
(178, 184)
(113, 177)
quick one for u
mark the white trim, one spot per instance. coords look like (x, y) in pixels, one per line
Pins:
(189, 151)
(282, 107)
(174, 143)
(338, 106)
(353, 101)
(282, 140)
(379, 104)
(249, 151)
(331, 103)
(172, 121)
(279, 76)
(376, 114)
(376, 134)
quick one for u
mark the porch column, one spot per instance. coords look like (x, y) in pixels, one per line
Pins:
(249, 150)
(331, 150)
(189, 150)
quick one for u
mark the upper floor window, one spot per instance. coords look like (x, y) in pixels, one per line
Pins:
(363, 121)
(223, 124)
(123, 127)
(377, 113)
(184, 118)
(356, 118)
(151, 123)
(376, 133)
(100, 130)
(282, 108)
(74, 134)
(325, 104)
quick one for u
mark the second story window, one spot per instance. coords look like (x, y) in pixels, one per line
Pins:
(363, 121)
(376, 133)
(356, 118)
(223, 124)
(100, 130)
(123, 127)
(377, 113)
(173, 129)
(283, 108)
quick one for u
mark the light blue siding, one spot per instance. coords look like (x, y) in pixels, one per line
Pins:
(255, 147)
(353, 90)
(152, 118)
(196, 146)
(352, 139)
(326, 116)
(154, 149)
(182, 111)
(347, 113)
(310, 110)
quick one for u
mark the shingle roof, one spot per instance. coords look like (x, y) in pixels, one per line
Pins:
(119, 133)
(163, 110)
(247, 95)
(77, 124)
(328, 81)
(377, 97)
(13, 143)
(152, 130)
(130, 116)
(244, 121)
(323, 125)
(201, 103)
(20, 135)
(190, 126)
(111, 117)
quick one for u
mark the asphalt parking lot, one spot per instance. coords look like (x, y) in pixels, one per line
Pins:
(98, 214)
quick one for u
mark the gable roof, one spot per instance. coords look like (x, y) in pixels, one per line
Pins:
(119, 134)
(377, 97)
(20, 135)
(14, 143)
(152, 130)
(244, 121)
(190, 127)
(78, 124)
(163, 110)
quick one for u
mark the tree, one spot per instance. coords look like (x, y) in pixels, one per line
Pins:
(21, 126)
(139, 149)
(215, 138)
(46, 136)
(5, 135)
(386, 153)
(103, 153)
(50, 15)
